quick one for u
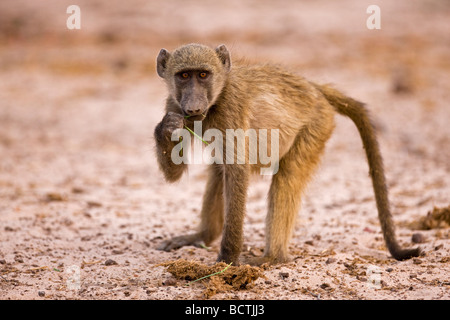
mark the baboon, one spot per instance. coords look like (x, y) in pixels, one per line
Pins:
(204, 86)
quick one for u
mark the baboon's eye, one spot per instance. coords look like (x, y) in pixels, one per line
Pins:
(203, 75)
(185, 75)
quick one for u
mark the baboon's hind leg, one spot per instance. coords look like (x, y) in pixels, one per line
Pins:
(295, 171)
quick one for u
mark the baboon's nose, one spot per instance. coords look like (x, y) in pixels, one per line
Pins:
(193, 111)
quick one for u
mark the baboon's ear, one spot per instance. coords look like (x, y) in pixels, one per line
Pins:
(224, 56)
(161, 62)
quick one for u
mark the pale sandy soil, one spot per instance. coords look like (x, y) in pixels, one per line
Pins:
(79, 185)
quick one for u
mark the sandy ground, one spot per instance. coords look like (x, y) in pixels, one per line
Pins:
(83, 205)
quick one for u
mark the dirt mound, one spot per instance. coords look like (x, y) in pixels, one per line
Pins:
(435, 219)
(219, 277)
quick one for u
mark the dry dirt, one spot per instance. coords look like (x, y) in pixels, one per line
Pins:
(83, 205)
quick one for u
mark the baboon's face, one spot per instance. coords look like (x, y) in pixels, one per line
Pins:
(194, 93)
(195, 75)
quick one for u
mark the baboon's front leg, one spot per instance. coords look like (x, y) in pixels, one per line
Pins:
(235, 193)
(213, 207)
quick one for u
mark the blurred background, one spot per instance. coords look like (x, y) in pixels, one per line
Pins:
(324, 35)
(95, 88)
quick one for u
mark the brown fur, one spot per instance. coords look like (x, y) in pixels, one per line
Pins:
(258, 97)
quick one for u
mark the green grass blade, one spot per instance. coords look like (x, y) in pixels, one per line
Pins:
(210, 275)
(196, 135)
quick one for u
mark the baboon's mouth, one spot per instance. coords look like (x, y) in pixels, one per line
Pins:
(197, 117)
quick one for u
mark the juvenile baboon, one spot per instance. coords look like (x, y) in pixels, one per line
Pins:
(204, 86)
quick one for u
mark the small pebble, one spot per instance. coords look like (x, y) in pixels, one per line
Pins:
(362, 279)
(110, 262)
(93, 204)
(284, 275)
(325, 286)
(330, 260)
(169, 282)
(53, 196)
(41, 293)
(418, 238)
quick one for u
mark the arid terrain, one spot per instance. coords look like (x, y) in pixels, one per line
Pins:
(83, 204)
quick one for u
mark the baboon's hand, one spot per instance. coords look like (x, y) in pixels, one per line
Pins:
(171, 122)
(164, 145)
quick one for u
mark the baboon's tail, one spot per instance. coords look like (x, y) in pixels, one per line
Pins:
(356, 111)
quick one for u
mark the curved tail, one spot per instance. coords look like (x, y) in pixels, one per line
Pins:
(357, 112)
